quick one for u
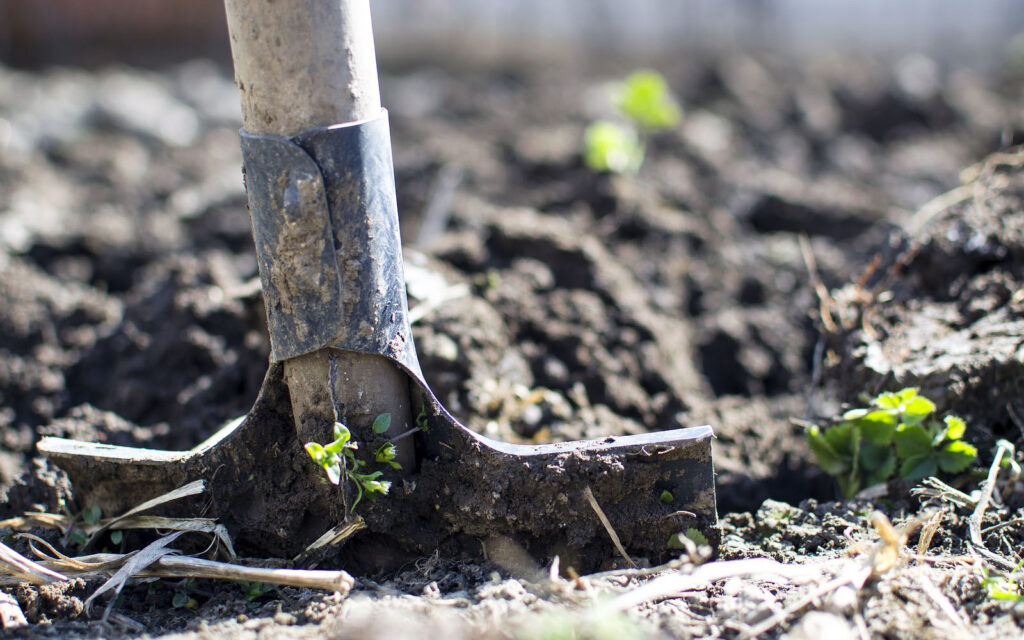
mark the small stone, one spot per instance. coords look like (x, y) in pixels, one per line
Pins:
(818, 624)
(432, 591)
(843, 601)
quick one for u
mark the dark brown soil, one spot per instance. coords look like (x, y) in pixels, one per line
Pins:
(553, 304)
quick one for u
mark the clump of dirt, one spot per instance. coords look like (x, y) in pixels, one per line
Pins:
(941, 308)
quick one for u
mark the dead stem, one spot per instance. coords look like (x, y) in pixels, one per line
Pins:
(589, 494)
(18, 565)
(333, 537)
(825, 300)
(11, 615)
(1003, 447)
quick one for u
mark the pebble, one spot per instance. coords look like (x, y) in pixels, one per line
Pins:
(818, 624)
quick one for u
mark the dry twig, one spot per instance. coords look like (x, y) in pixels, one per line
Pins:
(192, 488)
(1003, 448)
(24, 569)
(169, 566)
(11, 615)
(676, 584)
(589, 494)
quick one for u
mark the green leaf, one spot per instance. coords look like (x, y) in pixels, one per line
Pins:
(675, 542)
(373, 487)
(385, 453)
(116, 536)
(854, 414)
(955, 427)
(883, 473)
(918, 466)
(912, 440)
(336, 447)
(874, 456)
(646, 99)
(877, 426)
(341, 432)
(907, 394)
(180, 600)
(887, 401)
(666, 497)
(92, 514)
(382, 423)
(827, 457)
(697, 536)
(917, 409)
(359, 496)
(956, 456)
(610, 147)
(315, 451)
(334, 472)
(843, 438)
(1003, 589)
(849, 485)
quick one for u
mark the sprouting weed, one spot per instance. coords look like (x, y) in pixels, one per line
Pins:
(896, 436)
(646, 104)
(339, 457)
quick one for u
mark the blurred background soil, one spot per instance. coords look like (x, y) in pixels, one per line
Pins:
(551, 302)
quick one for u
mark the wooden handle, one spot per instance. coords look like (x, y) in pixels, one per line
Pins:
(311, 63)
(302, 63)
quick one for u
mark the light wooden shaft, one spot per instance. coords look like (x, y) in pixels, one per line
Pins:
(311, 63)
(302, 63)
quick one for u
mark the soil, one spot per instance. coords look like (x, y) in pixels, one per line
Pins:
(770, 262)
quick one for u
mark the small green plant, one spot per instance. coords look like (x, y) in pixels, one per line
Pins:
(896, 436)
(340, 456)
(90, 516)
(255, 590)
(612, 147)
(182, 599)
(645, 101)
(1004, 586)
(678, 540)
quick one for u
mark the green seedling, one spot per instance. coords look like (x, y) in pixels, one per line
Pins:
(1003, 586)
(612, 147)
(386, 454)
(646, 99)
(895, 437)
(381, 424)
(91, 515)
(422, 421)
(646, 104)
(182, 599)
(339, 457)
(255, 590)
(678, 541)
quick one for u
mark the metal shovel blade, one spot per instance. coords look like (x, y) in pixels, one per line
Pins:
(262, 485)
